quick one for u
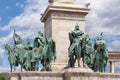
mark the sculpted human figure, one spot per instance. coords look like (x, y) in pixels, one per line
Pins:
(85, 40)
(40, 40)
(38, 51)
(29, 45)
(80, 47)
(101, 54)
(28, 55)
(50, 54)
(19, 49)
(74, 49)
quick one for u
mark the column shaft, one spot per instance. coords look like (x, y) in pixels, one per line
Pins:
(112, 67)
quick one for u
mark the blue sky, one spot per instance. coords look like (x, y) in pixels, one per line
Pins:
(24, 16)
(8, 10)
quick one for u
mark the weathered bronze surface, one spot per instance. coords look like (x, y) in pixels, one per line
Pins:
(28, 56)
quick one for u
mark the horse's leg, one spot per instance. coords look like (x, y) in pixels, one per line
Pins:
(84, 62)
(78, 61)
(77, 54)
(21, 66)
(44, 58)
(10, 68)
(72, 61)
(37, 65)
(14, 67)
(50, 66)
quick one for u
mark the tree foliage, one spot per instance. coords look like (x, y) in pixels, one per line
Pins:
(3, 76)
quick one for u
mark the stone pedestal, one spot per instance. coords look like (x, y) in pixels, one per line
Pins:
(67, 75)
(59, 19)
(35, 76)
(78, 69)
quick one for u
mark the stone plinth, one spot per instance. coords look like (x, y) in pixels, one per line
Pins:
(59, 19)
(90, 76)
(35, 76)
(67, 75)
(78, 69)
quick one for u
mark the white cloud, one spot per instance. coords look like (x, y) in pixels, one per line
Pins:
(1, 54)
(114, 45)
(4, 69)
(103, 17)
(3, 41)
(28, 22)
(30, 17)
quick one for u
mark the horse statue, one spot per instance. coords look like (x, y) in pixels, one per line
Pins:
(19, 49)
(40, 49)
(88, 55)
(87, 51)
(50, 54)
(101, 54)
(28, 56)
(12, 56)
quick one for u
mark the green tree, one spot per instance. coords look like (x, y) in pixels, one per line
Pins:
(3, 76)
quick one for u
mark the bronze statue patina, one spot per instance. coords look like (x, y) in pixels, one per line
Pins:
(101, 54)
(74, 49)
(44, 50)
(28, 56)
(80, 47)
(12, 56)
(49, 54)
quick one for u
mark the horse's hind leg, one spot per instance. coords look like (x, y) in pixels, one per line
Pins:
(21, 67)
(78, 59)
(77, 54)
(78, 62)
(72, 61)
(14, 68)
(10, 68)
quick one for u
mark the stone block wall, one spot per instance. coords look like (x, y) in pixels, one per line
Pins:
(67, 75)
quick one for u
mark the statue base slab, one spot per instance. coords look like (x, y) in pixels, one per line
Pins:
(71, 74)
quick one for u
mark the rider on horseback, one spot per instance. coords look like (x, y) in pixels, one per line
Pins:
(75, 46)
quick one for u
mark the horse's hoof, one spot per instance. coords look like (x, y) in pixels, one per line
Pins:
(85, 66)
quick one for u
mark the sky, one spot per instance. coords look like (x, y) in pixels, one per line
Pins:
(24, 17)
